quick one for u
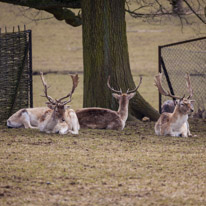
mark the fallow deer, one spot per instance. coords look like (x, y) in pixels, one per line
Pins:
(55, 118)
(175, 123)
(102, 118)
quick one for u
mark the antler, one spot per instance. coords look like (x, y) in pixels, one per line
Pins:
(120, 92)
(134, 90)
(188, 83)
(112, 89)
(158, 84)
(51, 100)
(75, 80)
(58, 101)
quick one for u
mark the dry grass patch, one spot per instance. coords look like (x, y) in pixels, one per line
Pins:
(98, 167)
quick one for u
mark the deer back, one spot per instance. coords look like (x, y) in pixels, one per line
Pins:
(99, 118)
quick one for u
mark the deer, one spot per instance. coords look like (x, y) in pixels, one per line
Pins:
(55, 118)
(102, 118)
(169, 105)
(175, 123)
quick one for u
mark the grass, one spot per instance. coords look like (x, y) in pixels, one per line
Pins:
(132, 167)
(97, 167)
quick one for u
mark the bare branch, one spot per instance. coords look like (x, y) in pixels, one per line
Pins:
(156, 9)
(194, 12)
(60, 9)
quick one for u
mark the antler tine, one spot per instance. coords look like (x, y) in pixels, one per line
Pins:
(112, 89)
(136, 88)
(75, 81)
(51, 100)
(189, 87)
(158, 84)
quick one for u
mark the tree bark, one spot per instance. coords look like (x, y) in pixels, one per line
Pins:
(105, 53)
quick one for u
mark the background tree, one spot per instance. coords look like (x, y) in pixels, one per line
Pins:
(105, 53)
(105, 43)
(157, 10)
(177, 7)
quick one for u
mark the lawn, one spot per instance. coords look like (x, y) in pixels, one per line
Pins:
(98, 167)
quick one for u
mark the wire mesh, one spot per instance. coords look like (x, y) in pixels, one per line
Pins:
(15, 69)
(185, 57)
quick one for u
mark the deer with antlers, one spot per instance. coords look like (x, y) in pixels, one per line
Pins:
(55, 118)
(176, 122)
(102, 118)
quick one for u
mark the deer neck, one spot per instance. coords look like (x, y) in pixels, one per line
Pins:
(178, 116)
(52, 121)
(123, 109)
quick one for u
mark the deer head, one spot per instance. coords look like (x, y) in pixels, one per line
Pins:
(117, 94)
(123, 98)
(58, 105)
(183, 104)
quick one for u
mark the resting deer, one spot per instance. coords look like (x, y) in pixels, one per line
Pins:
(55, 118)
(175, 123)
(102, 118)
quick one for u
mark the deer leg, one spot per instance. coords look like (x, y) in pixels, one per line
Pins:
(184, 130)
(63, 130)
(116, 125)
(75, 129)
(72, 120)
(188, 130)
(163, 130)
(166, 130)
(157, 129)
(26, 121)
(75, 123)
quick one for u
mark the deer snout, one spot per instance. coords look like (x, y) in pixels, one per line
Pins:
(191, 108)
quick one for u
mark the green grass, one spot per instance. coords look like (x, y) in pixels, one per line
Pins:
(97, 167)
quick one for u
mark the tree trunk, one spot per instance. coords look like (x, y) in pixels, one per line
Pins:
(105, 53)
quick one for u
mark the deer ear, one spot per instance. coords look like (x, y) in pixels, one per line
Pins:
(66, 106)
(130, 96)
(116, 96)
(51, 106)
(177, 101)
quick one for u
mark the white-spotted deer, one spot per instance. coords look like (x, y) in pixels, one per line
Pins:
(55, 118)
(102, 118)
(175, 123)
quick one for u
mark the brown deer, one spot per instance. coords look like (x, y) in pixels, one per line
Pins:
(102, 118)
(55, 118)
(175, 123)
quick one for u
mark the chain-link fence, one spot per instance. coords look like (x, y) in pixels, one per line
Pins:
(175, 60)
(16, 73)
